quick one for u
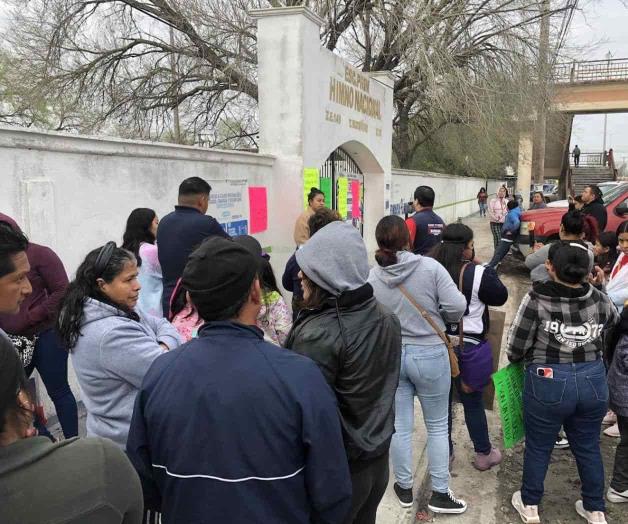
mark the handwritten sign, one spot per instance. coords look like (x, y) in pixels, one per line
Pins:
(343, 193)
(509, 391)
(310, 180)
(326, 188)
(355, 199)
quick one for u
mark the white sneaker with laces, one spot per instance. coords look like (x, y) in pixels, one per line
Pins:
(592, 517)
(617, 497)
(528, 514)
(613, 431)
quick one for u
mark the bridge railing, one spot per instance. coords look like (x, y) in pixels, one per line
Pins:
(591, 71)
(591, 159)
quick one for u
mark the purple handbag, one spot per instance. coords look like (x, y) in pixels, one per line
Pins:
(476, 365)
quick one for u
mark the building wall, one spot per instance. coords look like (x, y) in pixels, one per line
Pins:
(455, 196)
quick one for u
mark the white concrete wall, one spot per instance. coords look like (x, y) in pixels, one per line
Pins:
(455, 196)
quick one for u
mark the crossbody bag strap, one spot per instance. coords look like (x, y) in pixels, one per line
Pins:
(425, 315)
(461, 323)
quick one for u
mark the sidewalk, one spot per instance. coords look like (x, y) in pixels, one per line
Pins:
(478, 489)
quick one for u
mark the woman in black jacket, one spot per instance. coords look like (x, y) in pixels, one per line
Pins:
(357, 344)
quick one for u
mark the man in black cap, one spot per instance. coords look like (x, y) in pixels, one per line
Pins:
(232, 428)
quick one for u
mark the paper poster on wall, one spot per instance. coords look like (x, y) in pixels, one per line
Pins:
(355, 199)
(228, 203)
(343, 186)
(310, 180)
(326, 188)
(258, 209)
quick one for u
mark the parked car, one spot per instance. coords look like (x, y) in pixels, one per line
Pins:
(542, 225)
(550, 191)
(605, 187)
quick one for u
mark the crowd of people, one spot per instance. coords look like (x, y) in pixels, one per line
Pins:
(209, 399)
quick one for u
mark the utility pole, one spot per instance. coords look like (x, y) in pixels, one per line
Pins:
(173, 69)
(540, 132)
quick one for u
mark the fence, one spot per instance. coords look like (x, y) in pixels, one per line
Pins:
(591, 71)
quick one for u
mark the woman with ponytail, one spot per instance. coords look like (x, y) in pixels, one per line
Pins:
(400, 279)
(111, 343)
(482, 288)
(557, 334)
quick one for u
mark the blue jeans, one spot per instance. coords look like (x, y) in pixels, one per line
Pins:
(474, 416)
(576, 398)
(51, 360)
(483, 208)
(425, 372)
(500, 252)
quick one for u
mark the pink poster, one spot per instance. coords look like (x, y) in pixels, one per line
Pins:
(355, 199)
(258, 210)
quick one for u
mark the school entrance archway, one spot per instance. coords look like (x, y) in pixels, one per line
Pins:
(342, 181)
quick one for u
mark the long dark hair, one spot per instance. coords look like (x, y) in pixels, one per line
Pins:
(454, 241)
(622, 228)
(318, 296)
(105, 262)
(391, 235)
(138, 230)
(12, 381)
(607, 239)
(570, 260)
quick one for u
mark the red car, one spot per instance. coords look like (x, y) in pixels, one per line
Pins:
(542, 225)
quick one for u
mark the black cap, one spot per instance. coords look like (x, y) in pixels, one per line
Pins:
(218, 274)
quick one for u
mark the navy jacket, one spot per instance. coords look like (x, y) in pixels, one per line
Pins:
(180, 233)
(425, 228)
(230, 428)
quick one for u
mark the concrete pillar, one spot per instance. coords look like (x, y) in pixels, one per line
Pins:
(524, 166)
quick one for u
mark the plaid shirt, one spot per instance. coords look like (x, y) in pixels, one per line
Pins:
(554, 329)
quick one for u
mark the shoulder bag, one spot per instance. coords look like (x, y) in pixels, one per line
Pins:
(476, 362)
(453, 359)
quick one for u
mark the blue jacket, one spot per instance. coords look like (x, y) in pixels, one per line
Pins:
(180, 233)
(234, 429)
(510, 229)
(425, 228)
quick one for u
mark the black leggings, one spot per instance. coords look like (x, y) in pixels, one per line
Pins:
(369, 484)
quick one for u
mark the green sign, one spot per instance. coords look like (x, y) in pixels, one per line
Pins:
(343, 193)
(326, 188)
(509, 392)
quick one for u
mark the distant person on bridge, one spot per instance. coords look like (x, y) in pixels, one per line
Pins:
(497, 210)
(611, 158)
(425, 226)
(594, 205)
(538, 202)
(181, 231)
(576, 156)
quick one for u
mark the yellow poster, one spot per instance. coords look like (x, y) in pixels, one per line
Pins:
(343, 186)
(310, 180)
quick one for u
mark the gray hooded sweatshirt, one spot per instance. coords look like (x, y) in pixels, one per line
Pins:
(429, 284)
(111, 357)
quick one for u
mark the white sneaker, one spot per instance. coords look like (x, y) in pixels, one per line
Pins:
(616, 496)
(528, 514)
(561, 443)
(612, 431)
(610, 418)
(592, 517)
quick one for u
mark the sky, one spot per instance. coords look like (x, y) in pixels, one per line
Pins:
(600, 27)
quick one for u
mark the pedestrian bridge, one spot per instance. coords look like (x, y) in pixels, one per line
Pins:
(589, 87)
(598, 86)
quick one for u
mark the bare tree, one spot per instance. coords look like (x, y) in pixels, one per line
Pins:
(117, 57)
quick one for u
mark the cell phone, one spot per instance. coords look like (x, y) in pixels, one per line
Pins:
(545, 372)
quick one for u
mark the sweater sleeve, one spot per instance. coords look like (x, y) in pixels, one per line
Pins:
(522, 333)
(492, 291)
(165, 331)
(55, 279)
(127, 352)
(451, 301)
(538, 257)
(281, 320)
(124, 491)
(287, 277)
(215, 229)
(411, 225)
(327, 477)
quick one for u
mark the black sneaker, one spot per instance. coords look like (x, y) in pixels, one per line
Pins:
(404, 495)
(446, 503)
